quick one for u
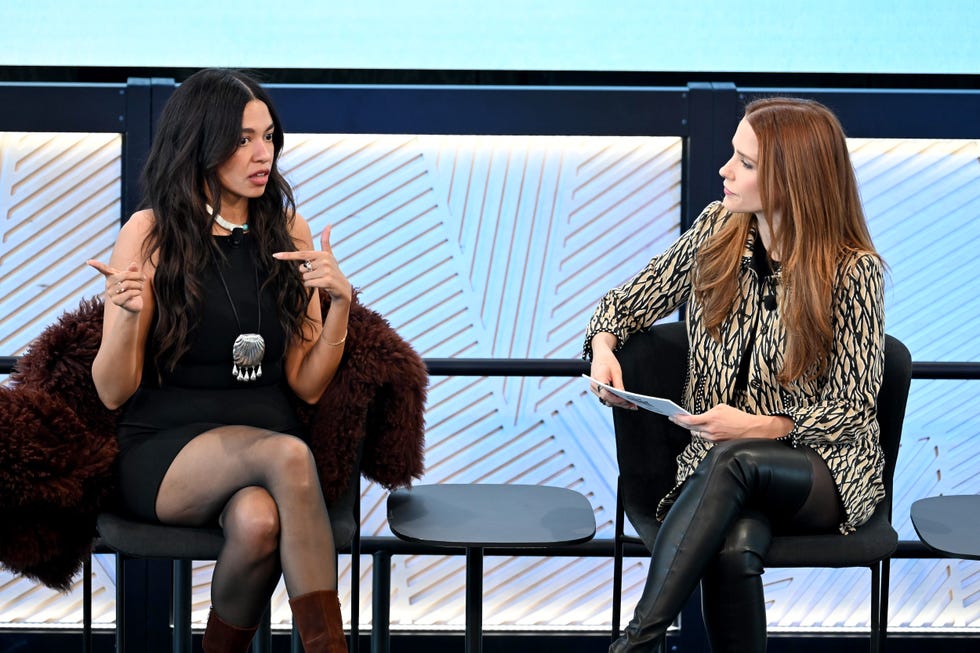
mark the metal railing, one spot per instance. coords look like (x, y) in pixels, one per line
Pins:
(956, 370)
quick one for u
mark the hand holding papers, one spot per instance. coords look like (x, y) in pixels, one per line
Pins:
(653, 404)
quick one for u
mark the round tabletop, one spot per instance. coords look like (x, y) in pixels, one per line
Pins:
(491, 515)
(949, 524)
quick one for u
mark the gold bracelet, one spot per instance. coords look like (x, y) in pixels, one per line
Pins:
(339, 342)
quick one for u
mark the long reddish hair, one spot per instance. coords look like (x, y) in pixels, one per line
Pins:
(806, 177)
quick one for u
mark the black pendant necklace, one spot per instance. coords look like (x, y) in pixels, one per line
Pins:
(249, 348)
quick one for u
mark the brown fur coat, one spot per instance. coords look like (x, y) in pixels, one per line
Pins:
(58, 442)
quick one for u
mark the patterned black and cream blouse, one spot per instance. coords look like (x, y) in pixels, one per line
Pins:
(833, 414)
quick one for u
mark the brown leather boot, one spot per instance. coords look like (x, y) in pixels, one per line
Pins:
(221, 637)
(317, 617)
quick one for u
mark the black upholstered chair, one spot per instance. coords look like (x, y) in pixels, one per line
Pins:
(655, 363)
(132, 539)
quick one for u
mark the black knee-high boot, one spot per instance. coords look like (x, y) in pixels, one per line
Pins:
(778, 476)
(732, 600)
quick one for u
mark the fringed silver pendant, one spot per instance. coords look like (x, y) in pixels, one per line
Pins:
(247, 352)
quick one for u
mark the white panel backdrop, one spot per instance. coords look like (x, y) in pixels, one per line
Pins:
(495, 247)
(59, 205)
(500, 247)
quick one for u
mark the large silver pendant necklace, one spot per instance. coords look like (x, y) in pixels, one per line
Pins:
(249, 348)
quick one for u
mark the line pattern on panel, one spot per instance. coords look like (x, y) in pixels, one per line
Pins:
(483, 246)
(923, 204)
(59, 206)
(922, 201)
(480, 247)
(59, 196)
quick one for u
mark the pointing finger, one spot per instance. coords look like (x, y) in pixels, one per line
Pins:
(103, 269)
(325, 239)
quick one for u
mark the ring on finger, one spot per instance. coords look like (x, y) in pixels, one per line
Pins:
(308, 265)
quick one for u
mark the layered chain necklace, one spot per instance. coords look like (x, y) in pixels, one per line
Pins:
(249, 348)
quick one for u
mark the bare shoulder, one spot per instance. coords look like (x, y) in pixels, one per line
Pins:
(139, 224)
(132, 236)
(299, 229)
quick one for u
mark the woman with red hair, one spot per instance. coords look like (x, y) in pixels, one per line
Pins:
(785, 321)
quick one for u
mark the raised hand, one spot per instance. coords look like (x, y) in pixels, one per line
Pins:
(320, 268)
(124, 288)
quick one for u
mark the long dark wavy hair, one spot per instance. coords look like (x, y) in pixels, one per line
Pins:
(198, 130)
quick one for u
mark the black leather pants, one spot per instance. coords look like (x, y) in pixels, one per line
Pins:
(718, 530)
(732, 599)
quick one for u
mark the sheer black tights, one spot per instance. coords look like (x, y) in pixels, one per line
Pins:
(263, 488)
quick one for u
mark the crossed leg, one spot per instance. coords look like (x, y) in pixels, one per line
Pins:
(264, 488)
(792, 486)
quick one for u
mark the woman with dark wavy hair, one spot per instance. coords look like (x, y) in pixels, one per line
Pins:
(212, 323)
(785, 321)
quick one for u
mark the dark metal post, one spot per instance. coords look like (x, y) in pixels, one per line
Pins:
(381, 602)
(713, 113)
(474, 600)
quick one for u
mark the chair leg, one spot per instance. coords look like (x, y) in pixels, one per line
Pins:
(884, 584)
(355, 594)
(617, 599)
(295, 643)
(875, 640)
(87, 604)
(262, 642)
(183, 637)
(120, 603)
(381, 602)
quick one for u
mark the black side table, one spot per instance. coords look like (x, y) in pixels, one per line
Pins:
(949, 525)
(487, 516)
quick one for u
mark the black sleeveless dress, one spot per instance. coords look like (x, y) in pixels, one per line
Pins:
(201, 393)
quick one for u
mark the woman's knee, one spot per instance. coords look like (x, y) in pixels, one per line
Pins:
(251, 521)
(756, 458)
(290, 463)
(745, 548)
(779, 475)
(740, 448)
